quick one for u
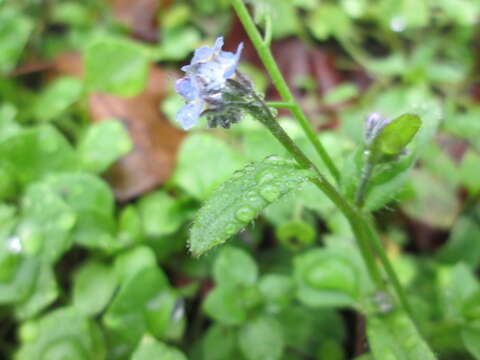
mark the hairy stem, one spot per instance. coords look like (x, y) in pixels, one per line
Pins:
(265, 116)
(278, 80)
(365, 234)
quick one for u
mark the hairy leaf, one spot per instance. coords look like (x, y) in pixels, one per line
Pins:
(241, 199)
(384, 333)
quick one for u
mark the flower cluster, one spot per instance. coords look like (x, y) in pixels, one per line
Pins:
(210, 86)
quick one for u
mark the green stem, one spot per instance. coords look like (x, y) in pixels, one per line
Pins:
(366, 173)
(387, 266)
(261, 111)
(366, 236)
(278, 80)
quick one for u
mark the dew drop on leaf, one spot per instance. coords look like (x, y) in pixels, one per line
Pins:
(230, 229)
(245, 214)
(265, 176)
(270, 193)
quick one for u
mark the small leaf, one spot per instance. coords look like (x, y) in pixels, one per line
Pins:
(471, 339)
(384, 332)
(234, 266)
(93, 286)
(150, 348)
(203, 163)
(116, 66)
(325, 278)
(262, 339)
(44, 292)
(394, 137)
(125, 316)
(61, 334)
(226, 305)
(57, 97)
(241, 199)
(37, 151)
(220, 343)
(15, 30)
(104, 143)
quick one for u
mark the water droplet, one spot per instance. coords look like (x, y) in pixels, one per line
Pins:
(264, 176)
(230, 229)
(398, 24)
(270, 193)
(245, 214)
(251, 196)
(273, 158)
(249, 167)
(14, 244)
(237, 174)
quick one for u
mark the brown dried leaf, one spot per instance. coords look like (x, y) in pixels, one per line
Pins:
(152, 159)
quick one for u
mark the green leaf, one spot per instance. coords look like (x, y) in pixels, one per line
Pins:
(161, 318)
(15, 29)
(277, 290)
(116, 66)
(103, 144)
(46, 223)
(262, 339)
(329, 20)
(469, 171)
(325, 278)
(203, 163)
(61, 334)
(462, 244)
(44, 292)
(435, 203)
(57, 97)
(234, 266)
(150, 349)
(220, 343)
(384, 332)
(22, 274)
(471, 339)
(93, 286)
(37, 151)
(128, 263)
(125, 316)
(130, 230)
(295, 234)
(394, 137)
(241, 199)
(456, 286)
(161, 214)
(8, 124)
(92, 201)
(226, 304)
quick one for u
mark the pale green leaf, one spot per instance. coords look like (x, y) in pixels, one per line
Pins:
(241, 199)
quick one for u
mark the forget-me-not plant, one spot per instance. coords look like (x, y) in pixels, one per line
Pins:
(212, 86)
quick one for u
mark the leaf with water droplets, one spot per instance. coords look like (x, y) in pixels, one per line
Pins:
(242, 198)
(384, 332)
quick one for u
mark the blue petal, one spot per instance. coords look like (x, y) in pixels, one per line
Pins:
(201, 54)
(186, 87)
(218, 45)
(188, 115)
(229, 71)
(211, 74)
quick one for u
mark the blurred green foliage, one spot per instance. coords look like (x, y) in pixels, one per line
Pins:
(85, 277)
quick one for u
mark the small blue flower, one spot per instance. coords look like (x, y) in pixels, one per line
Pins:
(206, 81)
